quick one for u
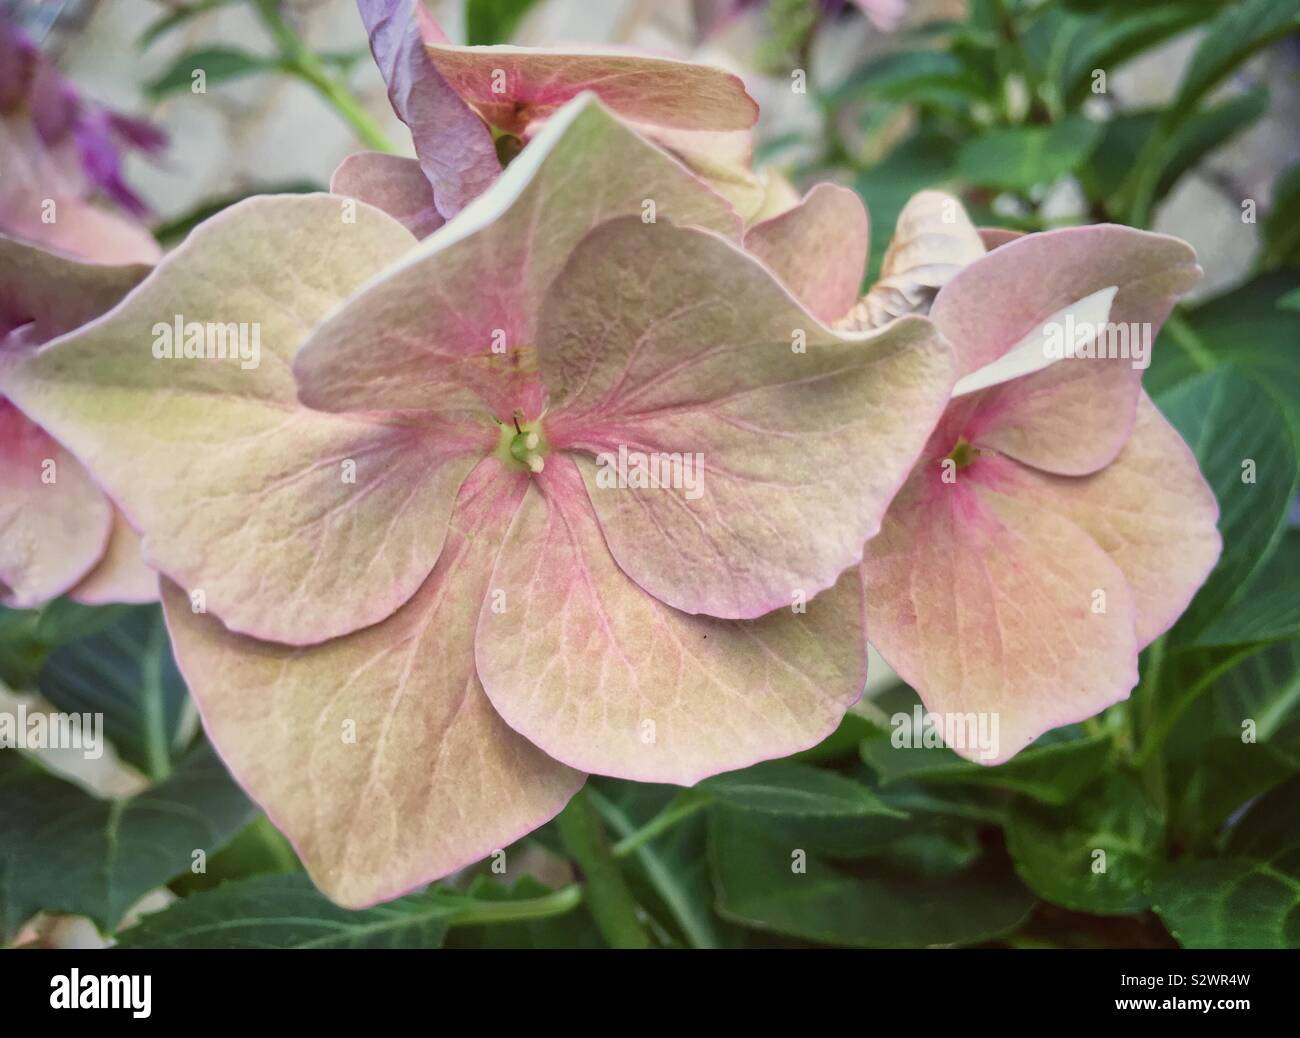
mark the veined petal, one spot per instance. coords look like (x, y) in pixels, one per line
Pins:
(1152, 512)
(455, 324)
(377, 753)
(513, 86)
(659, 341)
(296, 526)
(455, 149)
(606, 678)
(986, 603)
(54, 521)
(392, 183)
(818, 249)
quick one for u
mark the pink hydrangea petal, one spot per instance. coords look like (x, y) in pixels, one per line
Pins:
(297, 526)
(54, 521)
(985, 603)
(604, 677)
(455, 149)
(392, 183)
(454, 327)
(660, 339)
(995, 237)
(54, 293)
(121, 575)
(78, 229)
(992, 304)
(535, 83)
(377, 753)
(818, 249)
(1153, 513)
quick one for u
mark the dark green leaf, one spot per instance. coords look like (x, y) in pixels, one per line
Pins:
(63, 850)
(493, 21)
(219, 65)
(783, 788)
(1239, 30)
(126, 672)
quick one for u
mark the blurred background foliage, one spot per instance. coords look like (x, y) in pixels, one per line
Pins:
(1173, 818)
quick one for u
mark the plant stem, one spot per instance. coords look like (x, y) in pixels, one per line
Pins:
(298, 59)
(558, 902)
(611, 903)
(679, 808)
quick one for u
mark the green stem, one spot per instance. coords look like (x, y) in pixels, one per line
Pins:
(608, 898)
(679, 808)
(299, 60)
(558, 902)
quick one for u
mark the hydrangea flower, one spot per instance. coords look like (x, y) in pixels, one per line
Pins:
(465, 104)
(413, 586)
(1055, 523)
(59, 533)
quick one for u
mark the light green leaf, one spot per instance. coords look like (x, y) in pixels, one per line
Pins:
(1019, 158)
(494, 21)
(783, 788)
(218, 64)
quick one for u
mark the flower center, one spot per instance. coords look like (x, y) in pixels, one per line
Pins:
(522, 443)
(963, 453)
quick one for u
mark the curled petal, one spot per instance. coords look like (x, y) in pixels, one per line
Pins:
(392, 183)
(818, 249)
(121, 575)
(666, 342)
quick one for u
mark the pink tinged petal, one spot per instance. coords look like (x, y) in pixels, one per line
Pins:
(455, 149)
(53, 293)
(985, 602)
(996, 237)
(392, 183)
(818, 249)
(665, 340)
(1153, 513)
(121, 575)
(54, 521)
(679, 95)
(1021, 306)
(75, 228)
(377, 753)
(606, 678)
(454, 327)
(994, 304)
(297, 526)
(933, 240)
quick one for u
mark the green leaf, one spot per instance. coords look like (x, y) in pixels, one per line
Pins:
(573, 929)
(1290, 301)
(175, 18)
(783, 788)
(876, 903)
(1242, 327)
(63, 850)
(493, 21)
(1282, 228)
(1239, 31)
(916, 76)
(1270, 610)
(219, 65)
(1249, 897)
(1095, 854)
(27, 636)
(288, 912)
(258, 849)
(1023, 157)
(126, 672)
(1208, 411)
(1052, 770)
